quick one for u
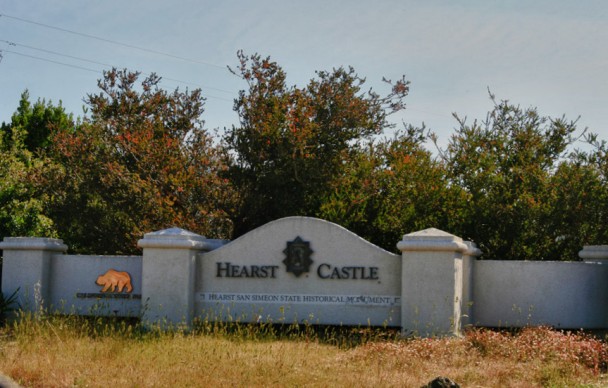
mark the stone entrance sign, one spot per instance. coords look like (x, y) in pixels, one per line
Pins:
(301, 269)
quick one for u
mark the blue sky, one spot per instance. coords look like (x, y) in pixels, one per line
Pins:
(547, 54)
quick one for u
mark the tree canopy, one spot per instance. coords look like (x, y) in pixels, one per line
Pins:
(293, 143)
(506, 166)
(142, 160)
(23, 166)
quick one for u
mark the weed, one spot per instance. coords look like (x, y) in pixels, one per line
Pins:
(7, 303)
(56, 350)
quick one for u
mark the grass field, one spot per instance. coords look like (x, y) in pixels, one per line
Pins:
(60, 351)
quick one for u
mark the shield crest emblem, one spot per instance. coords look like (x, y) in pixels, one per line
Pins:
(297, 258)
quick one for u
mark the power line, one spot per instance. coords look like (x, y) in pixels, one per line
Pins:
(81, 68)
(50, 60)
(113, 42)
(108, 65)
(54, 53)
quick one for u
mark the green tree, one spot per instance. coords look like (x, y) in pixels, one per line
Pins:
(506, 166)
(577, 214)
(292, 143)
(23, 166)
(142, 161)
(35, 122)
(581, 192)
(394, 186)
(22, 195)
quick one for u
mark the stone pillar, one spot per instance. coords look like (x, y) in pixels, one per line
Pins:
(435, 282)
(27, 266)
(168, 275)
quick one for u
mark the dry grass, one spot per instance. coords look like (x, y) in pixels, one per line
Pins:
(70, 351)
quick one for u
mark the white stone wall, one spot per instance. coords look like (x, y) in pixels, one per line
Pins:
(569, 295)
(436, 286)
(50, 281)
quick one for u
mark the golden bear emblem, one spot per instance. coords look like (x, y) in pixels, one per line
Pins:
(113, 279)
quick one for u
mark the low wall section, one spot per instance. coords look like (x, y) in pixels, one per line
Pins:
(73, 285)
(49, 280)
(561, 294)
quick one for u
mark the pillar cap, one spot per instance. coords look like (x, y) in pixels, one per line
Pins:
(436, 240)
(173, 238)
(33, 244)
(594, 252)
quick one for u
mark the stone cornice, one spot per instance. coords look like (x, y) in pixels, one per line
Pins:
(33, 244)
